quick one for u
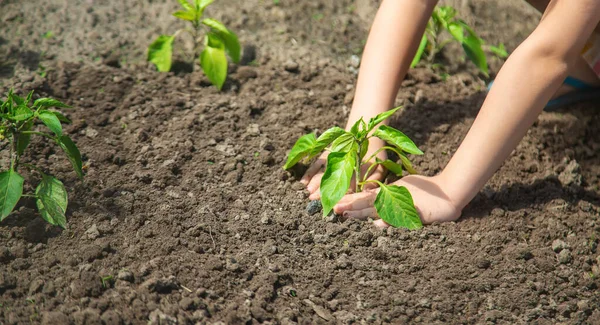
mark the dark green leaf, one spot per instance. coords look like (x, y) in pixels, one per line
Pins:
(344, 143)
(51, 121)
(185, 15)
(161, 51)
(474, 51)
(302, 148)
(395, 206)
(72, 152)
(407, 165)
(24, 138)
(327, 138)
(420, 51)
(21, 113)
(49, 102)
(397, 139)
(213, 61)
(381, 117)
(336, 179)
(11, 189)
(52, 200)
(61, 117)
(392, 166)
(16, 98)
(230, 40)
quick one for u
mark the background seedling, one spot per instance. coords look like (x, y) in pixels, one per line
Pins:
(444, 19)
(17, 119)
(217, 41)
(347, 151)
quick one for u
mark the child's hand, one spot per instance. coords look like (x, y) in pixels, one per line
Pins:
(312, 176)
(432, 204)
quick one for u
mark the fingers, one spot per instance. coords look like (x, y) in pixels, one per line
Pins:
(313, 186)
(380, 223)
(361, 214)
(312, 171)
(354, 202)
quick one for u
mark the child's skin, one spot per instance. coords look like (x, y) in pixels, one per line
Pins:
(531, 76)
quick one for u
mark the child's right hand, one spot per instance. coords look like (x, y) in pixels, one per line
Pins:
(313, 175)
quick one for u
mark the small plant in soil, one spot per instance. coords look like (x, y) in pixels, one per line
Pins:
(444, 19)
(208, 32)
(18, 118)
(347, 151)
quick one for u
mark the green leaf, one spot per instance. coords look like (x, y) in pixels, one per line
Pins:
(11, 189)
(397, 138)
(407, 165)
(185, 15)
(302, 148)
(161, 51)
(230, 40)
(51, 121)
(202, 4)
(52, 200)
(358, 126)
(213, 61)
(457, 31)
(49, 102)
(499, 51)
(28, 99)
(327, 138)
(395, 206)
(24, 138)
(61, 117)
(420, 51)
(391, 166)
(186, 5)
(336, 179)
(72, 152)
(473, 48)
(21, 113)
(344, 143)
(373, 122)
(16, 98)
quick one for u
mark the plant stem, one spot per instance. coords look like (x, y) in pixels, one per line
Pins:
(39, 133)
(357, 166)
(369, 171)
(37, 169)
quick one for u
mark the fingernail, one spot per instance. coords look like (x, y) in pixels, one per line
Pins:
(345, 214)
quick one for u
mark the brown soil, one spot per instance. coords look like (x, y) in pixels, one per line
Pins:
(186, 212)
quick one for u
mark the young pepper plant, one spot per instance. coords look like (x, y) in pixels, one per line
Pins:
(17, 118)
(347, 151)
(444, 19)
(217, 41)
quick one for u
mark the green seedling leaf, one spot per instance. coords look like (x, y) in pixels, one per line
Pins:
(336, 179)
(202, 4)
(49, 102)
(61, 117)
(24, 138)
(72, 152)
(472, 46)
(11, 189)
(51, 121)
(408, 165)
(420, 51)
(395, 206)
(391, 166)
(381, 117)
(344, 143)
(359, 128)
(21, 113)
(303, 147)
(186, 5)
(457, 31)
(213, 60)
(52, 201)
(230, 40)
(161, 51)
(185, 15)
(28, 99)
(16, 98)
(397, 138)
(326, 139)
(499, 51)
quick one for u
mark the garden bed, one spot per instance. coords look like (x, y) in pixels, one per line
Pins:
(185, 214)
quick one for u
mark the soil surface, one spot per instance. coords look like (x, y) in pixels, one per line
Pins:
(185, 215)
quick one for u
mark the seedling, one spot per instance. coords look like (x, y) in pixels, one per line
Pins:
(347, 151)
(217, 41)
(17, 118)
(444, 19)
(106, 281)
